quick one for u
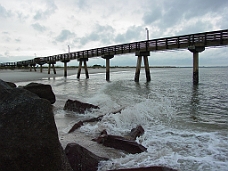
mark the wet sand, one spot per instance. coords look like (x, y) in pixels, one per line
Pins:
(22, 75)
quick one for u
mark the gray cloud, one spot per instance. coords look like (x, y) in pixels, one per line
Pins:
(198, 8)
(38, 27)
(6, 53)
(101, 33)
(18, 49)
(224, 25)
(4, 13)
(44, 14)
(7, 38)
(168, 14)
(81, 4)
(132, 34)
(64, 35)
(18, 40)
(21, 16)
(153, 15)
(197, 27)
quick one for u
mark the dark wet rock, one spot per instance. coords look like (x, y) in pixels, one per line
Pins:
(136, 132)
(120, 143)
(97, 119)
(77, 106)
(4, 86)
(11, 84)
(76, 126)
(81, 159)
(152, 168)
(42, 90)
(29, 137)
(80, 123)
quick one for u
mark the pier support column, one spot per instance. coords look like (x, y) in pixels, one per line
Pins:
(33, 66)
(84, 60)
(51, 64)
(40, 62)
(196, 50)
(195, 68)
(107, 57)
(138, 68)
(147, 68)
(146, 65)
(41, 68)
(65, 66)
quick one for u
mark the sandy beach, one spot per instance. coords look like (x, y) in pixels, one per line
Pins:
(22, 75)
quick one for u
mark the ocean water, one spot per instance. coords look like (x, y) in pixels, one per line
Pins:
(186, 126)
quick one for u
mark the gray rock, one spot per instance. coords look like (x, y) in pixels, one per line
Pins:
(77, 106)
(120, 143)
(11, 84)
(42, 90)
(82, 159)
(29, 137)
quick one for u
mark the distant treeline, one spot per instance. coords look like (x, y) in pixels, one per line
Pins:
(103, 66)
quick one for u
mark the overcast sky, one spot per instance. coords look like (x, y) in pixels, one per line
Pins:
(47, 27)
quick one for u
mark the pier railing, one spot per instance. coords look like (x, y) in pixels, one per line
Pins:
(206, 39)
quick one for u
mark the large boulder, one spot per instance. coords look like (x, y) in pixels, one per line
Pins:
(11, 84)
(79, 107)
(42, 90)
(29, 137)
(82, 159)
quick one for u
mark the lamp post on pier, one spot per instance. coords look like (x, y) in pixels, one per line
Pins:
(68, 48)
(147, 33)
(65, 60)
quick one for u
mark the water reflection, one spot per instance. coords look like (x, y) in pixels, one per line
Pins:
(195, 102)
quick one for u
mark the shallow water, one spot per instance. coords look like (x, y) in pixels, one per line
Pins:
(186, 126)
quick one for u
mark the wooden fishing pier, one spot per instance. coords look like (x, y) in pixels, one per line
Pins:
(195, 43)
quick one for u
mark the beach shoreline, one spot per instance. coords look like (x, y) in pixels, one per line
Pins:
(23, 75)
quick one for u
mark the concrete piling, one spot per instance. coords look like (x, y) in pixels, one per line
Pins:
(65, 66)
(147, 68)
(195, 68)
(145, 55)
(138, 68)
(196, 50)
(84, 60)
(107, 58)
(51, 64)
(86, 69)
(41, 68)
(33, 66)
